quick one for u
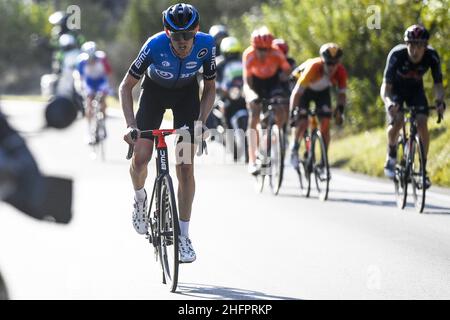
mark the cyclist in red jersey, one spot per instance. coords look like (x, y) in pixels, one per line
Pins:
(262, 61)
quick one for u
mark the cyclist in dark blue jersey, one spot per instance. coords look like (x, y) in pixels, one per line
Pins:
(402, 83)
(169, 62)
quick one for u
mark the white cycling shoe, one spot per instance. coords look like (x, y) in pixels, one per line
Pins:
(140, 222)
(187, 253)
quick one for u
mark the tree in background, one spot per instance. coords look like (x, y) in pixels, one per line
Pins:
(22, 51)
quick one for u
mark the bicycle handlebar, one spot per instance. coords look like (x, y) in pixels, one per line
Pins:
(163, 132)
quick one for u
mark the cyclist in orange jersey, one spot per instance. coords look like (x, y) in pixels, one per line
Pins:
(315, 77)
(262, 62)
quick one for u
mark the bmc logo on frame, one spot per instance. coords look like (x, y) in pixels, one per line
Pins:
(163, 158)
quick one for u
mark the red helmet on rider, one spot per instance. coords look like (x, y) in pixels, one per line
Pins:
(262, 38)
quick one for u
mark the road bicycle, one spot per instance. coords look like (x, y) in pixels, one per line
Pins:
(272, 143)
(163, 221)
(98, 128)
(313, 159)
(411, 166)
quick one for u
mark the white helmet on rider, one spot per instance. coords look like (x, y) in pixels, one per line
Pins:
(90, 48)
(67, 42)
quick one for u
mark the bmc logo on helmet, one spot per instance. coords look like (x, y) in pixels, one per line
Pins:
(163, 74)
(202, 53)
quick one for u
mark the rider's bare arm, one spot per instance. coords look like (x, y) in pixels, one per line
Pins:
(126, 99)
(248, 85)
(439, 91)
(386, 93)
(296, 94)
(207, 100)
(342, 99)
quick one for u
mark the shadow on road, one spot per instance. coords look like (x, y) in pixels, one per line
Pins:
(386, 203)
(217, 292)
(3, 291)
(361, 192)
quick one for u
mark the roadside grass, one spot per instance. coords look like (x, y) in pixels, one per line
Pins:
(365, 152)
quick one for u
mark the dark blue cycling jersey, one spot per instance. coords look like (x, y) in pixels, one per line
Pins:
(165, 68)
(401, 71)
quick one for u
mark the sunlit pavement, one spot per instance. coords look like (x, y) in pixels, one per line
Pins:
(357, 245)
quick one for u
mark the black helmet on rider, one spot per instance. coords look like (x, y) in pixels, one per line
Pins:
(416, 33)
(331, 53)
(181, 17)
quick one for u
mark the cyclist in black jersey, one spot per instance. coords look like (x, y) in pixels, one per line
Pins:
(402, 83)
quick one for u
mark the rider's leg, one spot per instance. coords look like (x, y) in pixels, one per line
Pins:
(143, 150)
(420, 103)
(254, 112)
(325, 130)
(103, 105)
(393, 131)
(323, 104)
(186, 180)
(89, 109)
(422, 129)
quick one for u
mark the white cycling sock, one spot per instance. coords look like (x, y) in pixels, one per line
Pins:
(140, 194)
(184, 228)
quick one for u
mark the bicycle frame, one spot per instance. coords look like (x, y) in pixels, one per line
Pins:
(162, 166)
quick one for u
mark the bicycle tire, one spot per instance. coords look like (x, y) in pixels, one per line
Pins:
(303, 169)
(168, 231)
(276, 158)
(260, 178)
(401, 179)
(322, 169)
(418, 180)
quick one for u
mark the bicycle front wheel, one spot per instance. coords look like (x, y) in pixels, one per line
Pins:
(401, 179)
(418, 174)
(303, 172)
(320, 165)
(169, 231)
(276, 158)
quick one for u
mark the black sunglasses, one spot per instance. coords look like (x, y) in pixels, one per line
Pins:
(331, 63)
(182, 35)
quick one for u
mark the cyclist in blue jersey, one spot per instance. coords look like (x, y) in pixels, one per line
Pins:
(170, 61)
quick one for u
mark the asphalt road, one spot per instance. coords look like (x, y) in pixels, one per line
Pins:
(357, 245)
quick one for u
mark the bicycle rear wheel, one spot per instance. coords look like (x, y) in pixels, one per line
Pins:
(418, 174)
(276, 158)
(169, 231)
(401, 179)
(320, 165)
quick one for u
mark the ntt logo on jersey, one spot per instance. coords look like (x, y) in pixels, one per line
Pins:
(164, 74)
(191, 65)
(202, 53)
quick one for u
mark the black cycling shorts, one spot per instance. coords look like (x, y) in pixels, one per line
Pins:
(154, 100)
(322, 100)
(268, 88)
(413, 96)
